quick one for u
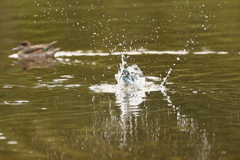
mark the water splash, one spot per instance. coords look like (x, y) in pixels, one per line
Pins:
(165, 78)
(138, 82)
(135, 93)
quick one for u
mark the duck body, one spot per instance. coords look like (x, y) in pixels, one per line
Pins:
(28, 51)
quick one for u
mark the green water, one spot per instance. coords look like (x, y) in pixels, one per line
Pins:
(47, 111)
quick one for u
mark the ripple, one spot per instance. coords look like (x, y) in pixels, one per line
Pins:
(127, 53)
(57, 82)
(12, 142)
(211, 52)
(67, 76)
(153, 78)
(138, 52)
(72, 85)
(50, 86)
(18, 102)
(11, 86)
(78, 53)
(2, 137)
(167, 52)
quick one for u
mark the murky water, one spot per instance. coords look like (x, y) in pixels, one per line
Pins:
(72, 107)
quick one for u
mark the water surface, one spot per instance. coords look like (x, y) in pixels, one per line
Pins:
(48, 111)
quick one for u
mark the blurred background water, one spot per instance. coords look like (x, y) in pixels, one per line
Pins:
(47, 110)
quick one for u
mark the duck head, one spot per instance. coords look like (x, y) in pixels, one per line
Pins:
(23, 45)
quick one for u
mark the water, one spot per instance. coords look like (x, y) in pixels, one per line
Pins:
(71, 107)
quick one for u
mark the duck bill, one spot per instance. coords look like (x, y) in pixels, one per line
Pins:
(16, 49)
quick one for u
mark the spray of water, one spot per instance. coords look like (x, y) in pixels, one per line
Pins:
(138, 81)
(165, 78)
(133, 94)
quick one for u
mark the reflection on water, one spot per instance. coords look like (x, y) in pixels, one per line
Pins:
(130, 99)
(47, 62)
(134, 123)
(40, 63)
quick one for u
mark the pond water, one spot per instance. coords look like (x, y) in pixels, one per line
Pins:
(70, 108)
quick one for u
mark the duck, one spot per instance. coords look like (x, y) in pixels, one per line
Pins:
(28, 51)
